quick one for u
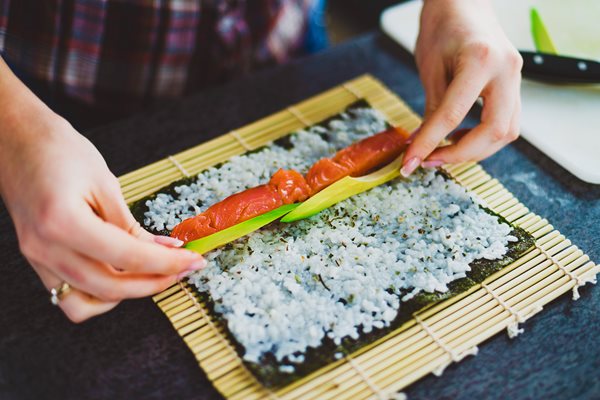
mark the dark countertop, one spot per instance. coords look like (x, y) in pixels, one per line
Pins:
(133, 352)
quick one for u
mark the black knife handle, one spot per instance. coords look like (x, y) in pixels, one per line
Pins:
(558, 69)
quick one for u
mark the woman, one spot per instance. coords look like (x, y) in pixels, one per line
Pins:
(115, 57)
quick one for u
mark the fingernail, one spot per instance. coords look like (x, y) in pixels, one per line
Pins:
(185, 274)
(410, 166)
(168, 241)
(432, 164)
(196, 265)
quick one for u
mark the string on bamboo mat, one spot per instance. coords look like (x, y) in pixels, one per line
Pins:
(178, 165)
(377, 392)
(579, 281)
(454, 356)
(206, 317)
(221, 338)
(513, 327)
(294, 111)
(241, 140)
(351, 90)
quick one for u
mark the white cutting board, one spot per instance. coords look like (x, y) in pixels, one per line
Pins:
(562, 121)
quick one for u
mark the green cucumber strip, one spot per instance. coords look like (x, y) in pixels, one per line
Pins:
(540, 34)
(232, 233)
(343, 189)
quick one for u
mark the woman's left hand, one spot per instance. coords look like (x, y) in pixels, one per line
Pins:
(463, 54)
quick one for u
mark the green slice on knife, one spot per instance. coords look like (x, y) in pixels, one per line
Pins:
(230, 234)
(540, 34)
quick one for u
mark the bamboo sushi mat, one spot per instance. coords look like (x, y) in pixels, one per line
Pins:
(435, 337)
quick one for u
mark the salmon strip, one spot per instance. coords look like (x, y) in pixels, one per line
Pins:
(284, 187)
(357, 159)
(288, 186)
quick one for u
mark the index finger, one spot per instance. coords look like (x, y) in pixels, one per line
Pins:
(108, 243)
(499, 126)
(462, 93)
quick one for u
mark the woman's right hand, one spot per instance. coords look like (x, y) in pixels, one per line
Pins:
(71, 219)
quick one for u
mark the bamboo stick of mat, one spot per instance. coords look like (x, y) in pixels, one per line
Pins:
(437, 336)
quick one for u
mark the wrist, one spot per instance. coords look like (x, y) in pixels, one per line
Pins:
(26, 126)
(20, 109)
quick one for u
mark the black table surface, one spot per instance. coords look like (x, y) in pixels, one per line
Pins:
(133, 352)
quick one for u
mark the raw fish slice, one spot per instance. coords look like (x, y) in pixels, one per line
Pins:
(323, 173)
(362, 157)
(357, 159)
(230, 211)
(242, 206)
(284, 187)
(192, 228)
(290, 185)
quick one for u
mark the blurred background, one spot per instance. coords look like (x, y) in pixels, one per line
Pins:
(348, 18)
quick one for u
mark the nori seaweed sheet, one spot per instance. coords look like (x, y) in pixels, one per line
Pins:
(268, 373)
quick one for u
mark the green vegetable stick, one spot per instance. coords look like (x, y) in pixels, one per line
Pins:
(230, 234)
(343, 189)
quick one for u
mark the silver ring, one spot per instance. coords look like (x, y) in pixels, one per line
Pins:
(57, 293)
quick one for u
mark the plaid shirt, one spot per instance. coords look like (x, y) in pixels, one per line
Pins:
(125, 53)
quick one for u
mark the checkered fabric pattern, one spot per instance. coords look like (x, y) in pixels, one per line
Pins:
(124, 52)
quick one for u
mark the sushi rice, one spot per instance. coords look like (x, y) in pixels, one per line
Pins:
(344, 271)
